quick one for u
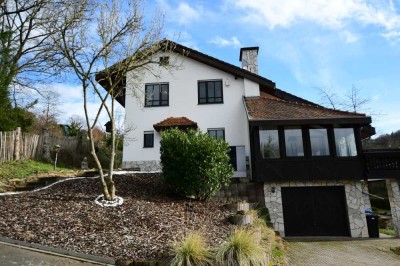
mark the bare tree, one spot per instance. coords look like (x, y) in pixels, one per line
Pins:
(113, 36)
(47, 113)
(25, 41)
(355, 101)
(329, 98)
(351, 101)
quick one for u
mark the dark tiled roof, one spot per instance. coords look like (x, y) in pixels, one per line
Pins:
(272, 108)
(180, 122)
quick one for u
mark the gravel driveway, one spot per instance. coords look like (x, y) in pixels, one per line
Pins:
(353, 252)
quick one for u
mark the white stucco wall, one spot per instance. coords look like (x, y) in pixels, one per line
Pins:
(252, 89)
(183, 101)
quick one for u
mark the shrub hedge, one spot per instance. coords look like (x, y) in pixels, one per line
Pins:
(193, 163)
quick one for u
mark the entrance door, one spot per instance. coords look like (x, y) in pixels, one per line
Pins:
(315, 211)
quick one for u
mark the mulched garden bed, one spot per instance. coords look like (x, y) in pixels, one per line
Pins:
(143, 227)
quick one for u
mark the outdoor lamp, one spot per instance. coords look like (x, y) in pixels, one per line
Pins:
(57, 149)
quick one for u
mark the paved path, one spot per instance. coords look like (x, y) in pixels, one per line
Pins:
(20, 256)
(353, 252)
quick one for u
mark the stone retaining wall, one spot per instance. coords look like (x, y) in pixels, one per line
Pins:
(356, 198)
(145, 166)
(242, 189)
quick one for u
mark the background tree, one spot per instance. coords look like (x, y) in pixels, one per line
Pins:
(25, 40)
(76, 125)
(114, 37)
(24, 54)
(385, 141)
(351, 101)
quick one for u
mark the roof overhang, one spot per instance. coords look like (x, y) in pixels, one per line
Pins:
(314, 121)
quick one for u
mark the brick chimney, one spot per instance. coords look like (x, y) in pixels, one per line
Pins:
(249, 59)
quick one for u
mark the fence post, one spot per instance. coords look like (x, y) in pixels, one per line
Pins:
(17, 144)
(46, 145)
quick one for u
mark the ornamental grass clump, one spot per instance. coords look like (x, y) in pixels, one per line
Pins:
(242, 248)
(267, 234)
(191, 251)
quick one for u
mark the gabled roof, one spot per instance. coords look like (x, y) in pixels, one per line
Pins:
(179, 122)
(275, 111)
(219, 64)
(236, 71)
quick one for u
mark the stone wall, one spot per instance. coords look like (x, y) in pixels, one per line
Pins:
(242, 189)
(145, 166)
(393, 189)
(356, 200)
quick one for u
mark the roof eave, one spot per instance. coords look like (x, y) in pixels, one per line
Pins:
(313, 121)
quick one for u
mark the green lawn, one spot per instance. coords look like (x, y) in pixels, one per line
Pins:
(386, 231)
(27, 168)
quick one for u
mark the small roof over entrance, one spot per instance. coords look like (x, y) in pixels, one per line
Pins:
(183, 123)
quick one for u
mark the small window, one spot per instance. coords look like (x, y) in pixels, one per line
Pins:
(345, 142)
(164, 61)
(294, 142)
(148, 139)
(210, 92)
(217, 133)
(319, 142)
(269, 143)
(157, 94)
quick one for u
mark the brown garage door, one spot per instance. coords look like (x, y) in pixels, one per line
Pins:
(315, 211)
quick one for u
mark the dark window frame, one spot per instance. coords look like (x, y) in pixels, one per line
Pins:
(208, 98)
(216, 129)
(356, 141)
(145, 143)
(160, 101)
(303, 141)
(306, 139)
(328, 136)
(279, 131)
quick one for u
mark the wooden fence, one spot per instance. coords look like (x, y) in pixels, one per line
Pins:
(15, 145)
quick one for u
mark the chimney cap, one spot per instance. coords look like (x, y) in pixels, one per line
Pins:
(247, 49)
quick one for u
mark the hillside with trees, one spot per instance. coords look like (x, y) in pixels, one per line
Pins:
(386, 141)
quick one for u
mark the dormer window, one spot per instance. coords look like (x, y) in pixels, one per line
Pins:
(210, 91)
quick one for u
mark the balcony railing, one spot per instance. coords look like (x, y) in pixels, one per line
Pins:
(382, 163)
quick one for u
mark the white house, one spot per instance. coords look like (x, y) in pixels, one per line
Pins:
(207, 93)
(306, 159)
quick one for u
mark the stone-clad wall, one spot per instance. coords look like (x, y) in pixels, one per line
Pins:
(394, 200)
(146, 166)
(357, 202)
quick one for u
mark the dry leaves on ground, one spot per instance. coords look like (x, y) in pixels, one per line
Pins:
(143, 227)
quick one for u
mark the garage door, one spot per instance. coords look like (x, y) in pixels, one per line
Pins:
(315, 211)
